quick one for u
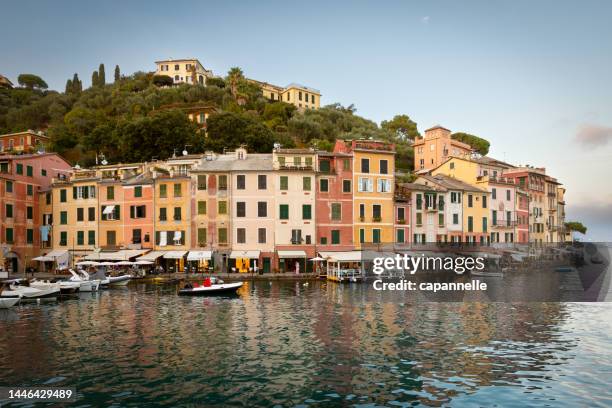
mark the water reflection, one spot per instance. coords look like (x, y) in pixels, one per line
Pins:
(315, 344)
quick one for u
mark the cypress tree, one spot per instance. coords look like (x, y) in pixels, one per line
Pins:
(77, 85)
(101, 75)
(117, 74)
(95, 79)
(68, 86)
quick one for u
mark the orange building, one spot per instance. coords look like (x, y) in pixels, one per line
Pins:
(436, 147)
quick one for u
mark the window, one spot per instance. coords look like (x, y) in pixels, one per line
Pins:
(240, 209)
(419, 201)
(138, 211)
(9, 210)
(110, 192)
(470, 224)
(176, 67)
(365, 165)
(308, 161)
(324, 166)
(336, 211)
(177, 190)
(456, 219)
(384, 167)
(111, 238)
(138, 191)
(29, 212)
(384, 186)
(262, 209)
(452, 165)
(306, 211)
(262, 182)
(306, 183)
(470, 201)
(222, 234)
(361, 210)
(376, 212)
(163, 190)
(201, 207)
(284, 211)
(441, 220)
(29, 171)
(376, 236)
(177, 213)
(323, 240)
(30, 189)
(419, 219)
(222, 207)
(455, 197)
(401, 214)
(111, 212)
(201, 182)
(163, 214)
(261, 235)
(223, 182)
(91, 214)
(43, 172)
(296, 236)
(9, 187)
(19, 168)
(240, 182)
(494, 193)
(324, 185)
(91, 237)
(136, 236)
(202, 238)
(400, 237)
(284, 182)
(484, 201)
(508, 195)
(484, 224)
(346, 164)
(346, 186)
(335, 237)
(29, 236)
(281, 161)
(361, 235)
(494, 216)
(297, 161)
(63, 238)
(63, 217)
(80, 237)
(241, 235)
(508, 218)
(80, 214)
(48, 197)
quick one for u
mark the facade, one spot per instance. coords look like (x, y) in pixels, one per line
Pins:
(23, 142)
(303, 97)
(522, 216)
(334, 202)
(532, 180)
(295, 191)
(403, 216)
(373, 190)
(22, 178)
(183, 71)
(551, 212)
(436, 147)
(423, 226)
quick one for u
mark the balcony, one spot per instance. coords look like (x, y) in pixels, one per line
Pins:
(297, 167)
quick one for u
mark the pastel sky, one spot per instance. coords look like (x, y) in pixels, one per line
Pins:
(534, 78)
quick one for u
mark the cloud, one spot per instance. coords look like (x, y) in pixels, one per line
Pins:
(592, 136)
(425, 19)
(597, 217)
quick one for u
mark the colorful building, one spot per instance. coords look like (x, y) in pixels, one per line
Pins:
(424, 227)
(532, 180)
(22, 178)
(302, 97)
(183, 71)
(436, 147)
(403, 216)
(28, 142)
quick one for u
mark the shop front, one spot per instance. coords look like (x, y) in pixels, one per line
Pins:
(244, 261)
(174, 261)
(293, 262)
(200, 262)
(54, 260)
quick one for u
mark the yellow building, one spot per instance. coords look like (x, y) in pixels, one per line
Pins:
(183, 71)
(303, 97)
(373, 181)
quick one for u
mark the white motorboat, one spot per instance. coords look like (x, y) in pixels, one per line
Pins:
(65, 287)
(28, 292)
(83, 278)
(214, 286)
(119, 280)
(7, 302)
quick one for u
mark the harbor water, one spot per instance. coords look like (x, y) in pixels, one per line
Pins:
(308, 344)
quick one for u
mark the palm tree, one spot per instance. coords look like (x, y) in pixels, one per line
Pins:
(234, 76)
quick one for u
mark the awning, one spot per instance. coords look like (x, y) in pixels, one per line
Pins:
(174, 254)
(244, 254)
(122, 255)
(51, 256)
(151, 256)
(109, 209)
(291, 254)
(342, 256)
(199, 255)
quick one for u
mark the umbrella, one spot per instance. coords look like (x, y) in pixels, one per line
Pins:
(124, 263)
(143, 263)
(106, 263)
(88, 263)
(318, 258)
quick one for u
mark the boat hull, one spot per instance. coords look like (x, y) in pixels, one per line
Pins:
(119, 280)
(5, 303)
(214, 290)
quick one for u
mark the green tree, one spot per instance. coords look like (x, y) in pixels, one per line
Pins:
(69, 87)
(479, 144)
(215, 81)
(576, 226)
(162, 80)
(117, 74)
(32, 81)
(229, 130)
(234, 77)
(77, 85)
(95, 79)
(101, 75)
(401, 126)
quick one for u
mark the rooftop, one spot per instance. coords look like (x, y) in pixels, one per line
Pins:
(450, 183)
(229, 162)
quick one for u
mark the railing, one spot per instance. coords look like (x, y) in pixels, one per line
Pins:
(302, 167)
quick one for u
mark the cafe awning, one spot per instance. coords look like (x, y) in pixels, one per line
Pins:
(51, 256)
(291, 254)
(151, 256)
(199, 255)
(121, 255)
(174, 254)
(342, 256)
(245, 254)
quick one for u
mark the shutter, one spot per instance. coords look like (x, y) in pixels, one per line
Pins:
(74, 193)
(132, 211)
(117, 212)
(85, 192)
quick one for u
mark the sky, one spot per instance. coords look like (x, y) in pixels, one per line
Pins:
(533, 78)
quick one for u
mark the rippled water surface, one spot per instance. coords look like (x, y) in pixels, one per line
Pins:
(288, 344)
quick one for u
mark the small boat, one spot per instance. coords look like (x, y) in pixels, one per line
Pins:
(65, 287)
(87, 284)
(27, 292)
(211, 286)
(119, 280)
(487, 274)
(7, 302)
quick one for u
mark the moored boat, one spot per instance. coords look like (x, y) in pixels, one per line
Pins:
(27, 292)
(119, 280)
(211, 286)
(7, 302)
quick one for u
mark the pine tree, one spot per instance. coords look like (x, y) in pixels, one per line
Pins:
(68, 86)
(77, 85)
(95, 79)
(101, 75)
(117, 74)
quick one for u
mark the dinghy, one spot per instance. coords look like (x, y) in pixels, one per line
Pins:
(87, 284)
(211, 286)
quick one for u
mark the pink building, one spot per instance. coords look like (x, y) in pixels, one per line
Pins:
(334, 202)
(21, 179)
(138, 212)
(403, 214)
(522, 216)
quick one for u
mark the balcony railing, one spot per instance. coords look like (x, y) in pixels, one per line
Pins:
(301, 167)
